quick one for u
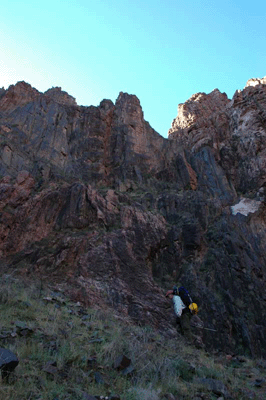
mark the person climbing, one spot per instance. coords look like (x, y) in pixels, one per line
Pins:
(184, 308)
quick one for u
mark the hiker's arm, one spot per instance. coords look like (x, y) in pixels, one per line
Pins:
(169, 292)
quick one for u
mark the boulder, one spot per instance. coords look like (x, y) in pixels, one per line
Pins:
(8, 362)
(216, 386)
(122, 362)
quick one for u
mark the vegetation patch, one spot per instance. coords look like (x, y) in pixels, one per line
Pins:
(67, 351)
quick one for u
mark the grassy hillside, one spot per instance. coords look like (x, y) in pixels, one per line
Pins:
(68, 352)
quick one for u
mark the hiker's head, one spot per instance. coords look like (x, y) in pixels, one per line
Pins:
(194, 308)
(175, 291)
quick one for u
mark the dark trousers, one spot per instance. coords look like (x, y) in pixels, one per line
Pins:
(184, 324)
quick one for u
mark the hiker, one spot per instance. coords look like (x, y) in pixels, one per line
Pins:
(184, 308)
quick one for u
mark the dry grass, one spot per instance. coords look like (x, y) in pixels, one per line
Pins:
(81, 343)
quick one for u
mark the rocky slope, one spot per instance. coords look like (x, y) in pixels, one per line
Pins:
(94, 199)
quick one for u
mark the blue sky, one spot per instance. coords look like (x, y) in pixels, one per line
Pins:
(161, 51)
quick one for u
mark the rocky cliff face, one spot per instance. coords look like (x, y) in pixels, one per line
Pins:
(234, 130)
(92, 143)
(96, 200)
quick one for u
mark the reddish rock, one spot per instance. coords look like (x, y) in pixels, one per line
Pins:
(61, 97)
(17, 96)
(94, 198)
(197, 118)
(235, 131)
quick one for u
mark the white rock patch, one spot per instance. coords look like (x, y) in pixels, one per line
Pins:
(245, 206)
